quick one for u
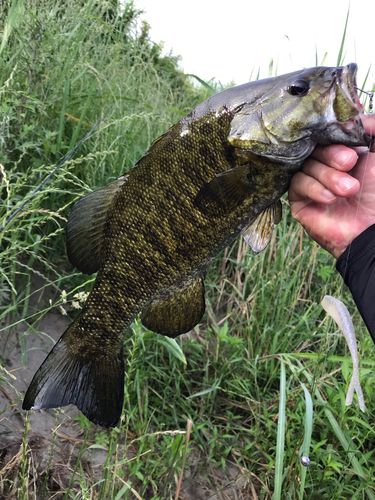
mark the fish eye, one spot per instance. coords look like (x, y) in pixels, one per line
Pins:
(299, 87)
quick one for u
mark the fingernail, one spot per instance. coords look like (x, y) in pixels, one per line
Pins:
(327, 195)
(343, 158)
(346, 183)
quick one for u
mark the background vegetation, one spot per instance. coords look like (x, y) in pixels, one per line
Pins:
(236, 393)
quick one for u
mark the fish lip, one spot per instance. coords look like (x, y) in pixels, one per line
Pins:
(348, 83)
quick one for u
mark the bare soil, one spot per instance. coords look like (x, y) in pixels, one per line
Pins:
(55, 438)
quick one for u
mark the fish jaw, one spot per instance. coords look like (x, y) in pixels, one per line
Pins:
(346, 104)
(342, 110)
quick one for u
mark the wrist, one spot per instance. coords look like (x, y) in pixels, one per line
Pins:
(354, 232)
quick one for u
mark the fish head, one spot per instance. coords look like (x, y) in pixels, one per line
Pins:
(286, 116)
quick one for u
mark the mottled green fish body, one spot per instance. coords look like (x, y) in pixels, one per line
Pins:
(153, 232)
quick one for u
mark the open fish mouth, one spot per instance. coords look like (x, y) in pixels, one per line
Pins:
(346, 104)
(350, 83)
(353, 89)
(342, 109)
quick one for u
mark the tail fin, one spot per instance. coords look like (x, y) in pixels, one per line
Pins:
(94, 382)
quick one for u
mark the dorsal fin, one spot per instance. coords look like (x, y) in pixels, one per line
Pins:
(84, 229)
(177, 313)
(258, 233)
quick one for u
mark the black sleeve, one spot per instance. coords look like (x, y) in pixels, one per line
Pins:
(357, 266)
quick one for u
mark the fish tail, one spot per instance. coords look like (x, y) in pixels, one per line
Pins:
(92, 379)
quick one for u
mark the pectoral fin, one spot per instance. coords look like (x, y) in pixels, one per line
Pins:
(225, 191)
(258, 233)
(84, 229)
(177, 313)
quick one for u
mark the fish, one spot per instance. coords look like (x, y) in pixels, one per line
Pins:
(339, 312)
(152, 233)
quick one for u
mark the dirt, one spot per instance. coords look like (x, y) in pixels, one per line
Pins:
(55, 437)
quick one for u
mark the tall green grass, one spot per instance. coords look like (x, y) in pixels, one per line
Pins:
(244, 376)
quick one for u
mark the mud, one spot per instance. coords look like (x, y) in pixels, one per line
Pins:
(55, 437)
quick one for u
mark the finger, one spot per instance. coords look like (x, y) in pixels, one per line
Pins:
(303, 187)
(338, 183)
(369, 125)
(336, 156)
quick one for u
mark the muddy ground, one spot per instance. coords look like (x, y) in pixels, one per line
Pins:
(57, 430)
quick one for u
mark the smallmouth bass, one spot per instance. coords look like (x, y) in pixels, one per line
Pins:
(151, 234)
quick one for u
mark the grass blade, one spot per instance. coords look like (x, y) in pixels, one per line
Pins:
(305, 448)
(15, 11)
(208, 87)
(279, 465)
(340, 56)
(347, 444)
(189, 426)
(83, 114)
(62, 115)
(173, 348)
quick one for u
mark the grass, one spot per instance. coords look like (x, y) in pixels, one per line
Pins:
(235, 403)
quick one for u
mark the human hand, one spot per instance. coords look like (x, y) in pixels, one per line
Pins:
(333, 197)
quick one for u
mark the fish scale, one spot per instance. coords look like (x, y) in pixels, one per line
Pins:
(152, 233)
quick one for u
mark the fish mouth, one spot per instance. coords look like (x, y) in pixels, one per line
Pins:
(346, 103)
(347, 107)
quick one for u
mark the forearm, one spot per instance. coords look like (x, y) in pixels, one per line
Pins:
(357, 266)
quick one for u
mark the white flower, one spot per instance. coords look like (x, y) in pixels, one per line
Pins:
(62, 310)
(81, 296)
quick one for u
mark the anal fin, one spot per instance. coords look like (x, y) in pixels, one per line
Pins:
(178, 312)
(258, 233)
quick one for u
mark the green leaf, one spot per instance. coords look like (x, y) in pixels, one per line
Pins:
(340, 56)
(106, 25)
(97, 446)
(305, 448)
(208, 87)
(173, 347)
(279, 465)
(15, 12)
(121, 492)
(206, 391)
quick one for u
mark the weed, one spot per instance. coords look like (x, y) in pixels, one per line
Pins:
(233, 404)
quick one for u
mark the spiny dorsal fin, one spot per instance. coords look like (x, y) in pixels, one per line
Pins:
(84, 229)
(177, 313)
(225, 192)
(258, 233)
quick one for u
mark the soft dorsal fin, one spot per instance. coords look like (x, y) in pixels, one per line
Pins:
(84, 229)
(258, 233)
(177, 313)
